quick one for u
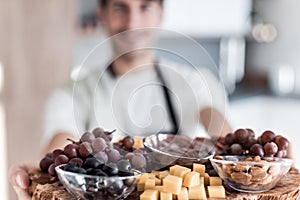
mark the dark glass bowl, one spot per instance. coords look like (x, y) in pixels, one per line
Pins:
(84, 186)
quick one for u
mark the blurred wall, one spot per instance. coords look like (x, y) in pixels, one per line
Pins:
(36, 44)
(265, 58)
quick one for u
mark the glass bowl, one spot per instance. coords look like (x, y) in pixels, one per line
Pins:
(168, 149)
(251, 174)
(84, 186)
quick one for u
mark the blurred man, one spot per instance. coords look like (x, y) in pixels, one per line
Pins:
(128, 19)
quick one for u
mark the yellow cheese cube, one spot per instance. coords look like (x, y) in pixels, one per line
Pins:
(215, 181)
(159, 188)
(152, 176)
(183, 195)
(191, 179)
(138, 143)
(143, 178)
(163, 174)
(206, 179)
(181, 171)
(149, 195)
(197, 192)
(166, 196)
(150, 184)
(157, 181)
(141, 183)
(199, 168)
(156, 173)
(216, 192)
(173, 168)
(202, 180)
(172, 184)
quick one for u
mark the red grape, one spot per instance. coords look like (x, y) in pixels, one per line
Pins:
(138, 161)
(241, 136)
(128, 142)
(45, 163)
(98, 132)
(113, 155)
(270, 149)
(71, 150)
(229, 138)
(51, 170)
(61, 159)
(56, 153)
(129, 155)
(85, 149)
(102, 155)
(257, 150)
(251, 141)
(236, 149)
(99, 144)
(77, 161)
(250, 132)
(87, 137)
(267, 136)
(281, 142)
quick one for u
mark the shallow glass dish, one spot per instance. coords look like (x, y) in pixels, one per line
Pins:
(168, 149)
(84, 186)
(248, 175)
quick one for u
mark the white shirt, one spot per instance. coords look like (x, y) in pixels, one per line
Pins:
(134, 103)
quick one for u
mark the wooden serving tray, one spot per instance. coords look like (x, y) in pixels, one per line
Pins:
(287, 188)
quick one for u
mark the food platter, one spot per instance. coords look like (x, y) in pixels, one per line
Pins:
(287, 188)
(173, 165)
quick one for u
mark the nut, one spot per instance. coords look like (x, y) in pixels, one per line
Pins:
(256, 159)
(241, 177)
(241, 168)
(258, 173)
(266, 180)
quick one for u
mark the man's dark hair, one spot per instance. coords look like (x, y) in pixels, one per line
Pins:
(104, 2)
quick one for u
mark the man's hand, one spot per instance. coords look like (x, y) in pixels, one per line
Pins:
(19, 178)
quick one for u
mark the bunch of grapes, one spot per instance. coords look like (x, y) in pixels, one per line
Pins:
(93, 149)
(243, 142)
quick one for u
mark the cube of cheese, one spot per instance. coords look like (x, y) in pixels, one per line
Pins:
(202, 180)
(199, 168)
(173, 168)
(156, 173)
(150, 184)
(216, 192)
(215, 181)
(181, 171)
(191, 179)
(141, 183)
(152, 176)
(159, 188)
(172, 184)
(157, 181)
(138, 143)
(183, 195)
(163, 174)
(197, 192)
(149, 195)
(206, 179)
(166, 196)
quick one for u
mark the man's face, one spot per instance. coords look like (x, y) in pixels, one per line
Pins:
(128, 15)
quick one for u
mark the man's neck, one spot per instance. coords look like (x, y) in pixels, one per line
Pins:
(123, 65)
